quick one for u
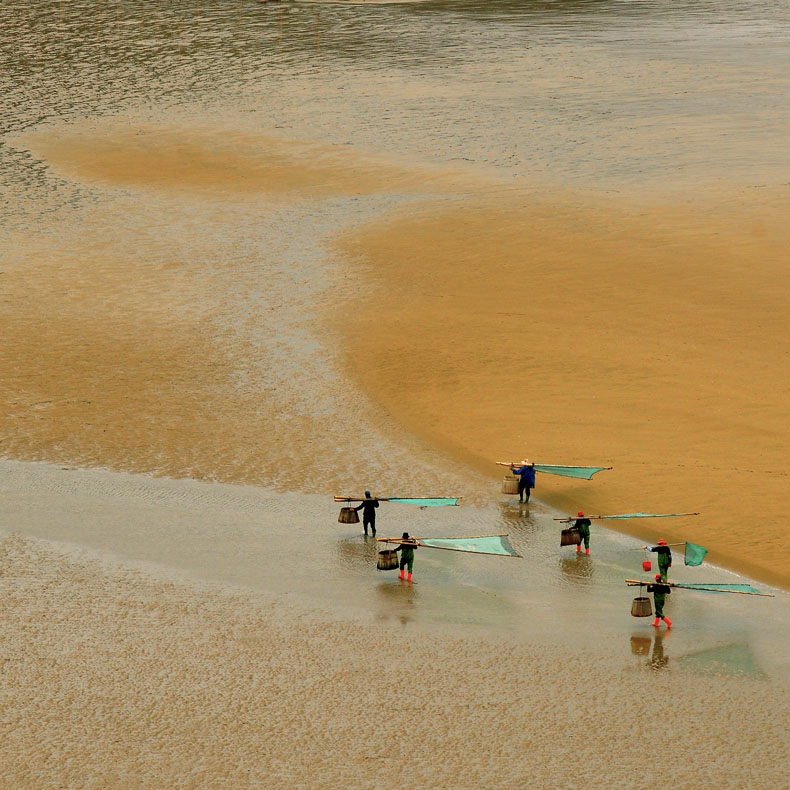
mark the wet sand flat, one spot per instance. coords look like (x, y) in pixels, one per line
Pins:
(194, 160)
(648, 337)
(120, 677)
(573, 328)
(168, 329)
(107, 360)
(180, 633)
(174, 304)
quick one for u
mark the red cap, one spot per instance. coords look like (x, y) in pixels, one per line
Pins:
(662, 542)
(658, 577)
(580, 513)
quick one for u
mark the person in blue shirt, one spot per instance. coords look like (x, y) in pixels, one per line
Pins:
(526, 474)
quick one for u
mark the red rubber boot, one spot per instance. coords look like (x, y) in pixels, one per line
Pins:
(402, 574)
(409, 579)
(656, 622)
(668, 623)
(578, 549)
(587, 552)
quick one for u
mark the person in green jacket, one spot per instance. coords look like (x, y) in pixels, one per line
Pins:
(660, 592)
(583, 525)
(407, 555)
(664, 557)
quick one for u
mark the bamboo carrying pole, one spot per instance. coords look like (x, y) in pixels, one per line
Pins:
(460, 537)
(647, 515)
(637, 582)
(559, 466)
(416, 542)
(642, 548)
(388, 499)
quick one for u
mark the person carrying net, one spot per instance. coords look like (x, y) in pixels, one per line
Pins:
(368, 508)
(660, 592)
(583, 525)
(526, 479)
(664, 557)
(407, 550)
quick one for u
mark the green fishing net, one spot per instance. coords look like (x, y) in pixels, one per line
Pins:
(694, 554)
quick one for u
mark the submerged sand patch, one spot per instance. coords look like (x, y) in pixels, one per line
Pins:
(208, 162)
(165, 325)
(582, 330)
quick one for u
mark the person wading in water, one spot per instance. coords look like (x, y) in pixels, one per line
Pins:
(583, 525)
(407, 554)
(660, 593)
(368, 508)
(526, 474)
(664, 557)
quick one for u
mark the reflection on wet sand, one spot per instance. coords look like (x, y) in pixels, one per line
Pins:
(517, 518)
(658, 659)
(730, 660)
(397, 599)
(641, 646)
(577, 569)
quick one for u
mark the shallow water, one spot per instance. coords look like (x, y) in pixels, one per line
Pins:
(291, 545)
(620, 95)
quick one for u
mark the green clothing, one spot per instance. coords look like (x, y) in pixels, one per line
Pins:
(407, 555)
(660, 592)
(664, 559)
(583, 525)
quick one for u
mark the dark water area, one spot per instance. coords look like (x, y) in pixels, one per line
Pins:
(591, 93)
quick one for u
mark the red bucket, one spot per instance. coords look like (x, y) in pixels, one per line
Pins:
(647, 565)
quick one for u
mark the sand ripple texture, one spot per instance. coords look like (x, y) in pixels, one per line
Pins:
(182, 339)
(112, 677)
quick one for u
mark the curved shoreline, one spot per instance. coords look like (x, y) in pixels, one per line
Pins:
(467, 343)
(575, 327)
